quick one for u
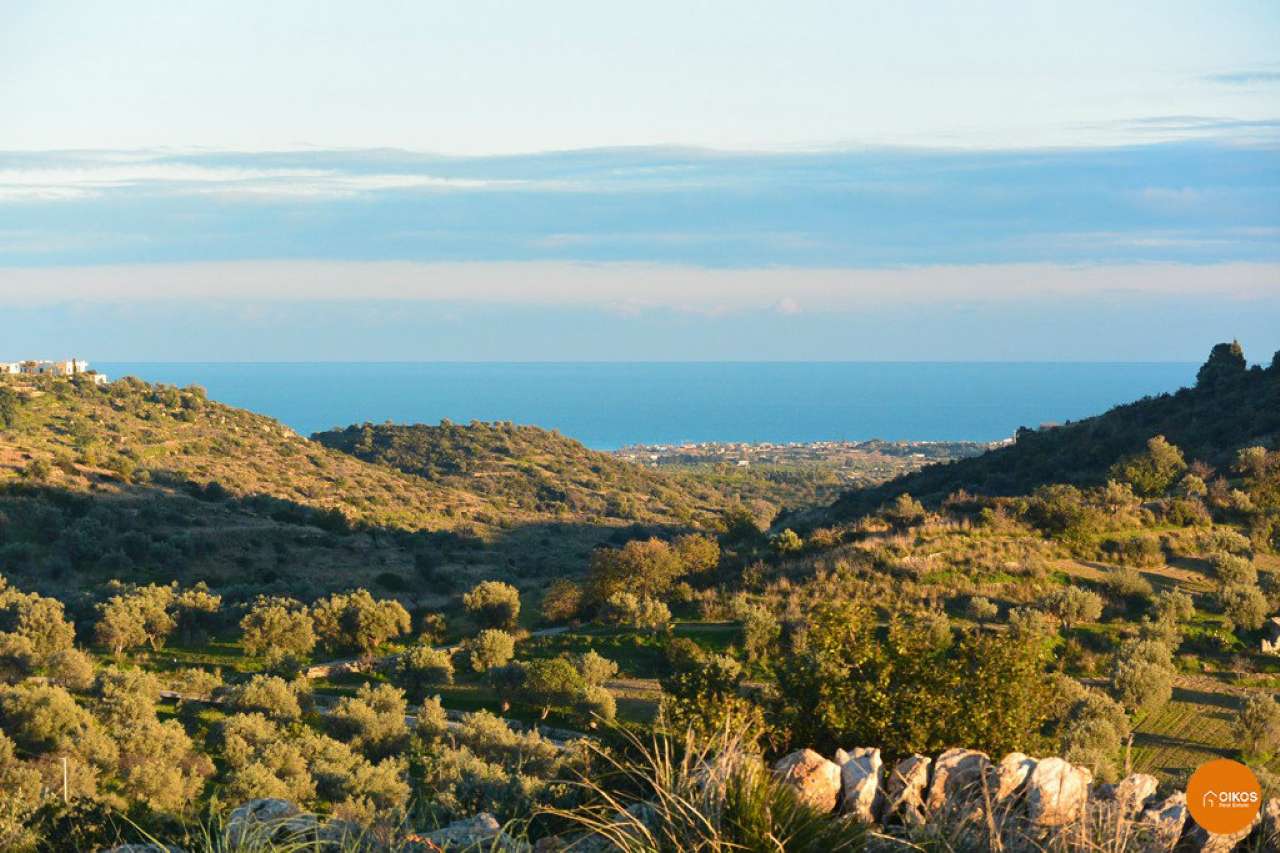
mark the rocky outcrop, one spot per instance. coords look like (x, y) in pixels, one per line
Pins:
(1198, 840)
(860, 793)
(266, 821)
(1027, 801)
(1057, 792)
(958, 775)
(1132, 793)
(1166, 820)
(480, 832)
(906, 790)
(815, 779)
(1006, 780)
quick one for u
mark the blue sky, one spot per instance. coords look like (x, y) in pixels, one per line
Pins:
(575, 181)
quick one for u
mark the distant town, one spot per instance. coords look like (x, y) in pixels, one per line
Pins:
(70, 367)
(874, 458)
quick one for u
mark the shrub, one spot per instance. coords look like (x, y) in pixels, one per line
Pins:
(642, 613)
(1127, 585)
(1135, 551)
(1244, 605)
(594, 668)
(904, 512)
(1232, 570)
(562, 601)
(786, 542)
(1153, 471)
(1027, 622)
(760, 631)
(493, 604)
(1072, 605)
(269, 695)
(1172, 605)
(595, 701)
(981, 610)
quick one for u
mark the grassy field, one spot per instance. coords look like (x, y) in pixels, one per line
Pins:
(1193, 728)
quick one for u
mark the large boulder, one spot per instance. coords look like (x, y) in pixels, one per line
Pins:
(815, 779)
(958, 775)
(267, 820)
(1132, 793)
(860, 792)
(1057, 792)
(1006, 779)
(906, 790)
(1166, 819)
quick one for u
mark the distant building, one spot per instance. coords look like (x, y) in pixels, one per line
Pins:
(68, 367)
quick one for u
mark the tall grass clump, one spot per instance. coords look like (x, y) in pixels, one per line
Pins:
(680, 795)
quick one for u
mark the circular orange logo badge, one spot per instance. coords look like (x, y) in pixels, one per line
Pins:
(1224, 796)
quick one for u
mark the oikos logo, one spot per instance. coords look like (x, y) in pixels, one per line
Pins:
(1224, 796)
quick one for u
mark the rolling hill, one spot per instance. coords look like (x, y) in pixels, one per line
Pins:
(154, 482)
(1231, 406)
(526, 469)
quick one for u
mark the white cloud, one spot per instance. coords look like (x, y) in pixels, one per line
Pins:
(69, 182)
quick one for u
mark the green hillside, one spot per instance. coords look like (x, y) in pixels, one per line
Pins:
(153, 482)
(1231, 406)
(526, 469)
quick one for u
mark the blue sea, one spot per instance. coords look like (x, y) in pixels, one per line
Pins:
(609, 405)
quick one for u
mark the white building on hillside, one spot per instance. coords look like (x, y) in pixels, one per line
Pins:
(69, 367)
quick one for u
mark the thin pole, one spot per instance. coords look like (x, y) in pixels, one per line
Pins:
(64, 780)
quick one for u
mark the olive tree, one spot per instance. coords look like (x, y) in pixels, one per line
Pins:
(494, 604)
(1244, 605)
(421, 668)
(1072, 605)
(489, 649)
(277, 627)
(1257, 727)
(356, 621)
(1142, 675)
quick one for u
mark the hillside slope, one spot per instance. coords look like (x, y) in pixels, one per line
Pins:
(526, 469)
(1231, 407)
(153, 482)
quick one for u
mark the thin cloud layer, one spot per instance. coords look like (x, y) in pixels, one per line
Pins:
(1202, 202)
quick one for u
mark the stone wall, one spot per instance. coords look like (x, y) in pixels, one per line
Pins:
(1024, 796)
